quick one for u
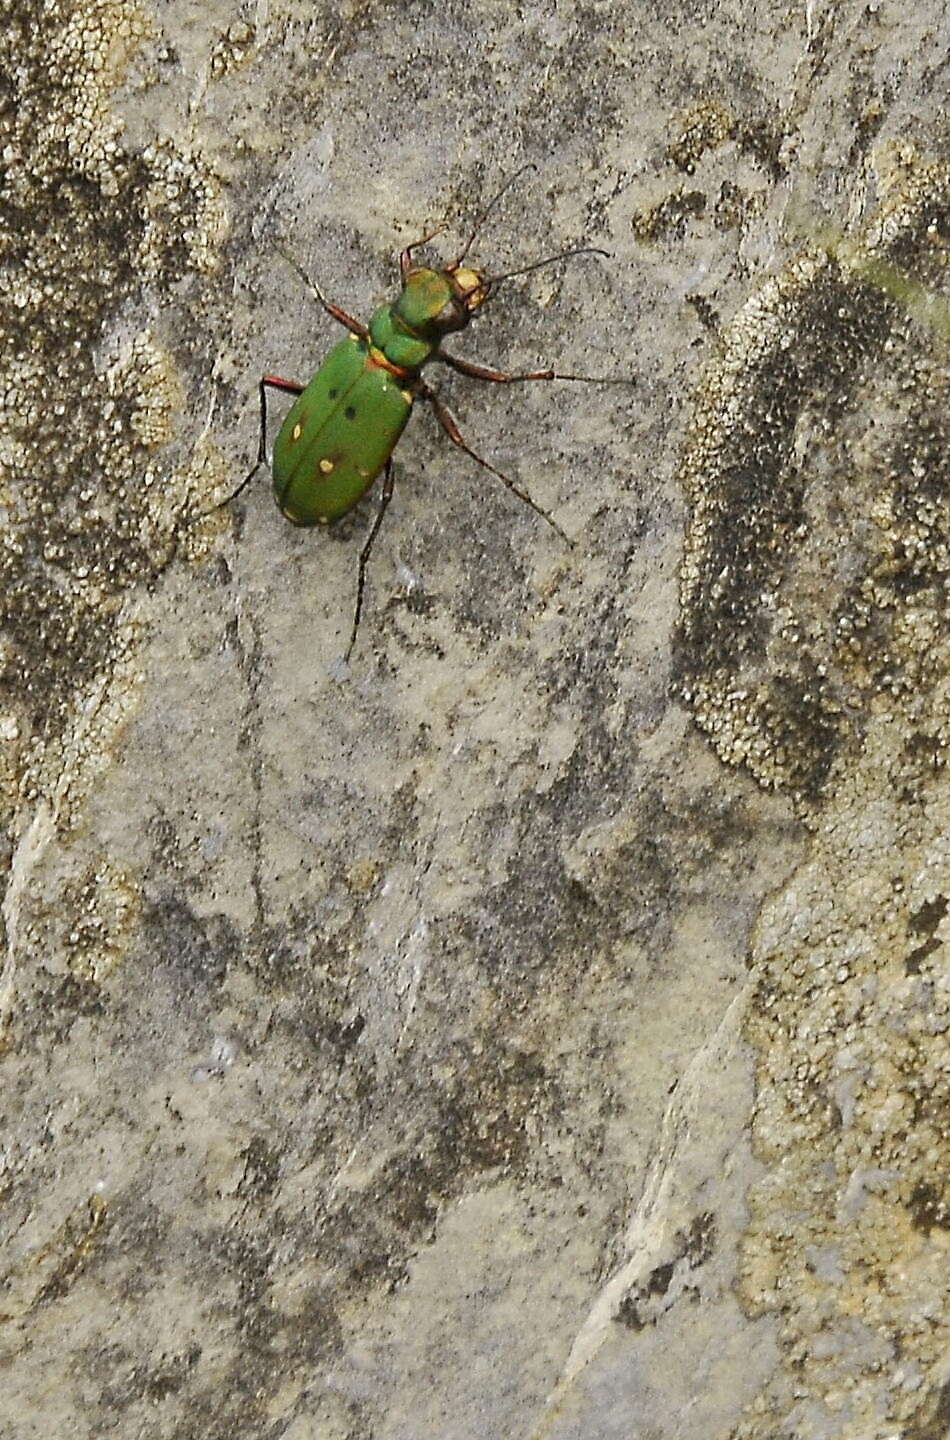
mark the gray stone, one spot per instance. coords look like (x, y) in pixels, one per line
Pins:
(535, 1027)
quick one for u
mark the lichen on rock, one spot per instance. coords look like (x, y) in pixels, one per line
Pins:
(89, 392)
(814, 650)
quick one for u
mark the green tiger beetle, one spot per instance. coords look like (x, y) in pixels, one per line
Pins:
(343, 426)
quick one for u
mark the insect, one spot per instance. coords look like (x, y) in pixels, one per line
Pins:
(341, 430)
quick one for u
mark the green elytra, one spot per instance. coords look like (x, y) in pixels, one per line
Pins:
(342, 428)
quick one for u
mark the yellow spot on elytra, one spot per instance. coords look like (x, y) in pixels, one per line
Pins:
(297, 432)
(323, 519)
(326, 466)
(408, 396)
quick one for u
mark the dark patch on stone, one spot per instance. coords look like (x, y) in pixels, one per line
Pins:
(929, 1208)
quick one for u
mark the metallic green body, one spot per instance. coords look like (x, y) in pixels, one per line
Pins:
(338, 435)
(394, 341)
(343, 426)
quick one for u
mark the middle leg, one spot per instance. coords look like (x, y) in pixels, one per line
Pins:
(448, 423)
(501, 377)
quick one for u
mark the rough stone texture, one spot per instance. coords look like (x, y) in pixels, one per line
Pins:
(816, 641)
(538, 1026)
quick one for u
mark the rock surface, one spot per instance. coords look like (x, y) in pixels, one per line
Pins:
(536, 1027)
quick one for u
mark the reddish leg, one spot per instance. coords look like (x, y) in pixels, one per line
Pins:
(499, 377)
(405, 259)
(274, 382)
(356, 327)
(268, 382)
(387, 495)
(446, 420)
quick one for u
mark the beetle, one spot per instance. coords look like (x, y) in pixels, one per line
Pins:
(341, 430)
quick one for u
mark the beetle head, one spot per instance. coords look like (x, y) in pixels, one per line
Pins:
(470, 287)
(434, 303)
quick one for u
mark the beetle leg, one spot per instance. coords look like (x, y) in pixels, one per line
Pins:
(447, 421)
(268, 382)
(480, 372)
(387, 495)
(272, 382)
(405, 258)
(356, 327)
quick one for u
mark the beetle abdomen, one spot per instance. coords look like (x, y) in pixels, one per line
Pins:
(338, 435)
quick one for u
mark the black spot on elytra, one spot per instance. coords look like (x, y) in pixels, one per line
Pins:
(350, 412)
(332, 394)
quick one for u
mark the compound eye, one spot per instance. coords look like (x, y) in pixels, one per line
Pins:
(452, 316)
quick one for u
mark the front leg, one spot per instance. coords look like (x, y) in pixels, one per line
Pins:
(405, 259)
(356, 327)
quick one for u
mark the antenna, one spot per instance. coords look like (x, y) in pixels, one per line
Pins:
(487, 211)
(549, 260)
